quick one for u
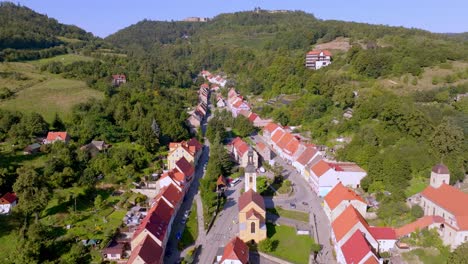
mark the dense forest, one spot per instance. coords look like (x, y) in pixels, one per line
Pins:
(396, 133)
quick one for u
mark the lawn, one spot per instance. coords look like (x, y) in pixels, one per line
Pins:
(8, 235)
(190, 233)
(55, 95)
(424, 255)
(417, 185)
(288, 245)
(291, 214)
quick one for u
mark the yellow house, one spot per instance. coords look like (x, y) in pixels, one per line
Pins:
(190, 150)
(252, 217)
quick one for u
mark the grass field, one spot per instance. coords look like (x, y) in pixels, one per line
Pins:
(416, 185)
(42, 92)
(8, 235)
(190, 233)
(50, 97)
(296, 215)
(288, 245)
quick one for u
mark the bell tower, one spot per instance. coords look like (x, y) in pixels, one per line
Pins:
(250, 173)
(439, 175)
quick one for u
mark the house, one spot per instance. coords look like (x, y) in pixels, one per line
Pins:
(239, 149)
(252, 215)
(205, 74)
(235, 252)
(118, 79)
(238, 105)
(194, 121)
(323, 175)
(268, 131)
(32, 149)
(114, 250)
(156, 225)
(7, 202)
(275, 139)
(183, 166)
(173, 177)
(339, 198)
(357, 250)
(220, 102)
(305, 158)
(428, 221)
(53, 137)
(443, 200)
(349, 222)
(172, 196)
(95, 147)
(264, 151)
(190, 150)
(385, 236)
(147, 251)
(317, 59)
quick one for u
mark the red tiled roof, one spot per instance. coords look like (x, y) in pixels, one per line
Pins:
(118, 76)
(157, 220)
(176, 176)
(340, 193)
(277, 135)
(240, 146)
(320, 168)
(51, 136)
(356, 248)
(148, 250)
(8, 198)
(419, 224)
(270, 127)
(251, 196)
(383, 233)
(452, 200)
(252, 214)
(172, 194)
(244, 113)
(261, 146)
(205, 86)
(292, 146)
(252, 117)
(307, 156)
(194, 145)
(185, 167)
(283, 143)
(236, 249)
(346, 221)
(372, 260)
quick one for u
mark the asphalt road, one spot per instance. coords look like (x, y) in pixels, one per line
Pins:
(319, 223)
(225, 227)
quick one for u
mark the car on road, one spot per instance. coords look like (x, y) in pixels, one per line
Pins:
(293, 205)
(305, 203)
(235, 182)
(186, 214)
(179, 235)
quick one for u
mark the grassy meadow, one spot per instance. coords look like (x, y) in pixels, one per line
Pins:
(42, 92)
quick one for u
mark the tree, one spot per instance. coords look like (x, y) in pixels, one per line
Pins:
(148, 136)
(98, 202)
(459, 255)
(447, 138)
(416, 211)
(32, 192)
(57, 123)
(266, 245)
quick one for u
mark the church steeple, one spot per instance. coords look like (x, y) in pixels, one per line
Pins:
(250, 172)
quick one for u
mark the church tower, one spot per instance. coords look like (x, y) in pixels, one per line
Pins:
(250, 173)
(439, 175)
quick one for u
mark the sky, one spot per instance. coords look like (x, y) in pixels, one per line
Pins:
(104, 17)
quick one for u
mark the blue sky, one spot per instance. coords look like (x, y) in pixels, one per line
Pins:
(104, 17)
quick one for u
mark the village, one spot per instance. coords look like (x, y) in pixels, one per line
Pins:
(326, 191)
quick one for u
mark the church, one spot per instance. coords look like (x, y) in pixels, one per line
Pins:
(448, 202)
(252, 214)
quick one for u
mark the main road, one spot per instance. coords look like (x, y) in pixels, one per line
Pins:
(320, 225)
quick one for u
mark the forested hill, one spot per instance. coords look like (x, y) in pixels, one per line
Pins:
(22, 28)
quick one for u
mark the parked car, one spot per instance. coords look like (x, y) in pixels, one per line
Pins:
(293, 205)
(305, 203)
(235, 182)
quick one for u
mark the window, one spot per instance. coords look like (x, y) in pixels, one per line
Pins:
(252, 227)
(250, 179)
(466, 238)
